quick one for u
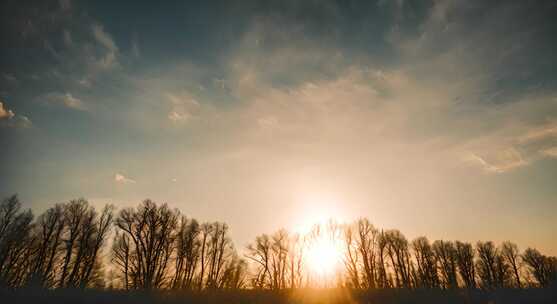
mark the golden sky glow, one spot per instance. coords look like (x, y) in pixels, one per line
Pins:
(286, 115)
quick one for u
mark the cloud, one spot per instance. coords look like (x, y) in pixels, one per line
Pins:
(550, 152)
(103, 37)
(501, 162)
(267, 122)
(120, 178)
(109, 60)
(441, 100)
(183, 107)
(5, 113)
(66, 100)
(9, 77)
(539, 133)
(178, 117)
(85, 82)
(8, 118)
(437, 94)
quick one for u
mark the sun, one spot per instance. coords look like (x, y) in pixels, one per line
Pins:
(323, 257)
(316, 208)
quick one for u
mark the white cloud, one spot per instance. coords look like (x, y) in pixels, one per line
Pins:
(183, 107)
(65, 99)
(184, 99)
(85, 82)
(120, 178)
(539, 133)
(103, 37)
(178, 117)
(267, 122)
(5, 113)
(550, 152)
(72, 102)
(109, 60)
(500, 162)
(8, 118)
(24, 121)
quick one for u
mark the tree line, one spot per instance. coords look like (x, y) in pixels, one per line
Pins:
(152, 246)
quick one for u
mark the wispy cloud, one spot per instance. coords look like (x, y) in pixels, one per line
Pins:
(183, 107)
(65, 99)
(501, 162)
(109, 59)
(539, 133)
(8, 118)
(178, 117)
(550, 152)
(9, 77)
(120, 178)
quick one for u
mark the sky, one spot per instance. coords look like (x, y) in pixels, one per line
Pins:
(438, 118)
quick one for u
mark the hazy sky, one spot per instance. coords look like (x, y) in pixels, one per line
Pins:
(437, 118)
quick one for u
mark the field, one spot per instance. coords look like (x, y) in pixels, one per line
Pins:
(303, 296)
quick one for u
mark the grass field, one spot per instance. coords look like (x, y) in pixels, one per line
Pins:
(303, 296)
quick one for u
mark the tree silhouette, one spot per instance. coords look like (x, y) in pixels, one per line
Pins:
(15, 252)
(156, 247)
(445, 254)
(426, 263)
(543, 268)
(465, 261)
(511, 255)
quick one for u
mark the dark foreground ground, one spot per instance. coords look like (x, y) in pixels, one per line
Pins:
(306, 296)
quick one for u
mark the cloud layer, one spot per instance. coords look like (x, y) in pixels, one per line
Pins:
(436, 109)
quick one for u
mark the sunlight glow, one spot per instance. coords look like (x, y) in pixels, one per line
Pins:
(316, 208)
(323, 257)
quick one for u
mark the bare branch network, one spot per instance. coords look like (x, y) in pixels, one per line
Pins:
(151, 246)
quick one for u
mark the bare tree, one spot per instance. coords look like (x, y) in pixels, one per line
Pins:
(510, 253)
(295, 260)
(366, 240)
(122, 258)
(96, 238)
(187, 254)
(542, 268)
(155, 247)
(48, 241)
(234, 274)
(491, 266)
(74, 214)
(351, 256)
(279, 255)
(382, 279)
(465, 261)
(426, 263)
(219, 253)
(15, 226)
(260, 253)
(152, 231)
(445, 254)
(397, 250)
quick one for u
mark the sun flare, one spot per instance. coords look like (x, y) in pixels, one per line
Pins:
(323, 256)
